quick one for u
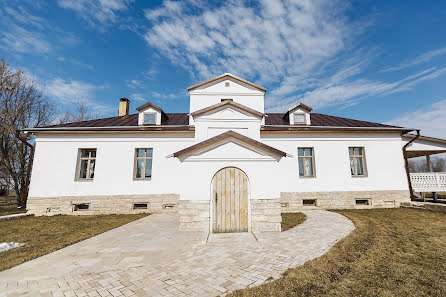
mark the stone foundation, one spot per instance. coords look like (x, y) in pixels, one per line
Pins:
(194, 215)
(293, 201)
(266, 215)
(120, 204)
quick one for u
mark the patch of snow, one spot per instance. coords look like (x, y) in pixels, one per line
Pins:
(4, 246)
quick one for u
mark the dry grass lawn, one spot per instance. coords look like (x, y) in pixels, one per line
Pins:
(290, 220)
(44, 235)
(392, 252)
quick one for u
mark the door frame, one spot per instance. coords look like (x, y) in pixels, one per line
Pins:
(211, 201)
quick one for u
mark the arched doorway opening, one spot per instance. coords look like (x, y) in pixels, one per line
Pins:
(230, 200)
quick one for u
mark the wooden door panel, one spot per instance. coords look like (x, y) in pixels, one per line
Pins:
(230, 195)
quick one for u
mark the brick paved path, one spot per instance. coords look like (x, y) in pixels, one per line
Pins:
(149, 257)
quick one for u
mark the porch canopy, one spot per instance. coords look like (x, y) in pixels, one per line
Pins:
(426, 146)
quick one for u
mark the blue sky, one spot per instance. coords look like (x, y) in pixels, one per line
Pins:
(382, 61)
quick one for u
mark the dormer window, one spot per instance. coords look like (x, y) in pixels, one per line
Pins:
(299, 118)
(299, 114)
(150, 114)
(150, 118)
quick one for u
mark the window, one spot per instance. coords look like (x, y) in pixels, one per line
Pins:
(140, 205)
(87, 161)
(150, 118)
(363, 201)
(309, 202)
(306, 161)
(357, 161)
(299, 118)
(81, 206)
(143, 163)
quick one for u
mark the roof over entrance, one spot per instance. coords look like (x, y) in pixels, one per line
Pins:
(226, 75)
(226, 135)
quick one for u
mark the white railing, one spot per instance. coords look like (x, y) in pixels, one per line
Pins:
(428, 181)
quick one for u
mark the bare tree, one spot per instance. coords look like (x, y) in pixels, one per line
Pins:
(438, 165)
(81, 113)
(22, 105)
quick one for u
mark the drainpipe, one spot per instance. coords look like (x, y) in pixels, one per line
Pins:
(406, 163)
(28, 170)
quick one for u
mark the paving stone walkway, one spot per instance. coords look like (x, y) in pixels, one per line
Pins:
(149, 257)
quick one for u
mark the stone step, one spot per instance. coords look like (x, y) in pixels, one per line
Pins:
(225, 239)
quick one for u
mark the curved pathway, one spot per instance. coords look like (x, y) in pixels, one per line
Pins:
(149, 257)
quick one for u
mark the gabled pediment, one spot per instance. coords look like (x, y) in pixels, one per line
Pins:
(230, 146)
(228, 109)
(225, 83)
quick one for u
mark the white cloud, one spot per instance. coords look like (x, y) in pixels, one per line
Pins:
(418, 60)
(98, 13)
(134, 83)
(430, 120)
(22, 40)
(262, 42)
(22, 16)
(70, 91)
(166, 96)
(349, 92)
(138, 97)
(304, 49)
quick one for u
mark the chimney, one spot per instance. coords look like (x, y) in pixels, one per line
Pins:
(124, 104)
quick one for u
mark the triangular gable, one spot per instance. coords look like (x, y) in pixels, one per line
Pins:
(226, 75)
(227, 103)
(227, 137)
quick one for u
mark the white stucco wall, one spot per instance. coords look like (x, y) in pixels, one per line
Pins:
(55, 165)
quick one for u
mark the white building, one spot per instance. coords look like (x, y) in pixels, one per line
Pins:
(224, 166)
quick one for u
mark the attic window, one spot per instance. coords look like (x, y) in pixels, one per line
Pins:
(150, 118)
(227, 84)
(299, 118)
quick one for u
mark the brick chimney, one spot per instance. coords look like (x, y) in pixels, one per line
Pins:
(124, 104)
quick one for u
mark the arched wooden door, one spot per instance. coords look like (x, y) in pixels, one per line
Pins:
(230, 198)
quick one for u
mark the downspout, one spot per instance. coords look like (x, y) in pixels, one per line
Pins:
(406, 162)
(28, 170)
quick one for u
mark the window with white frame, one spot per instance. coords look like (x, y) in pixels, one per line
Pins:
(357, 161)
(299, 118)
(143, 163)
(306, 161)
(150, 118)
(87, 162)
